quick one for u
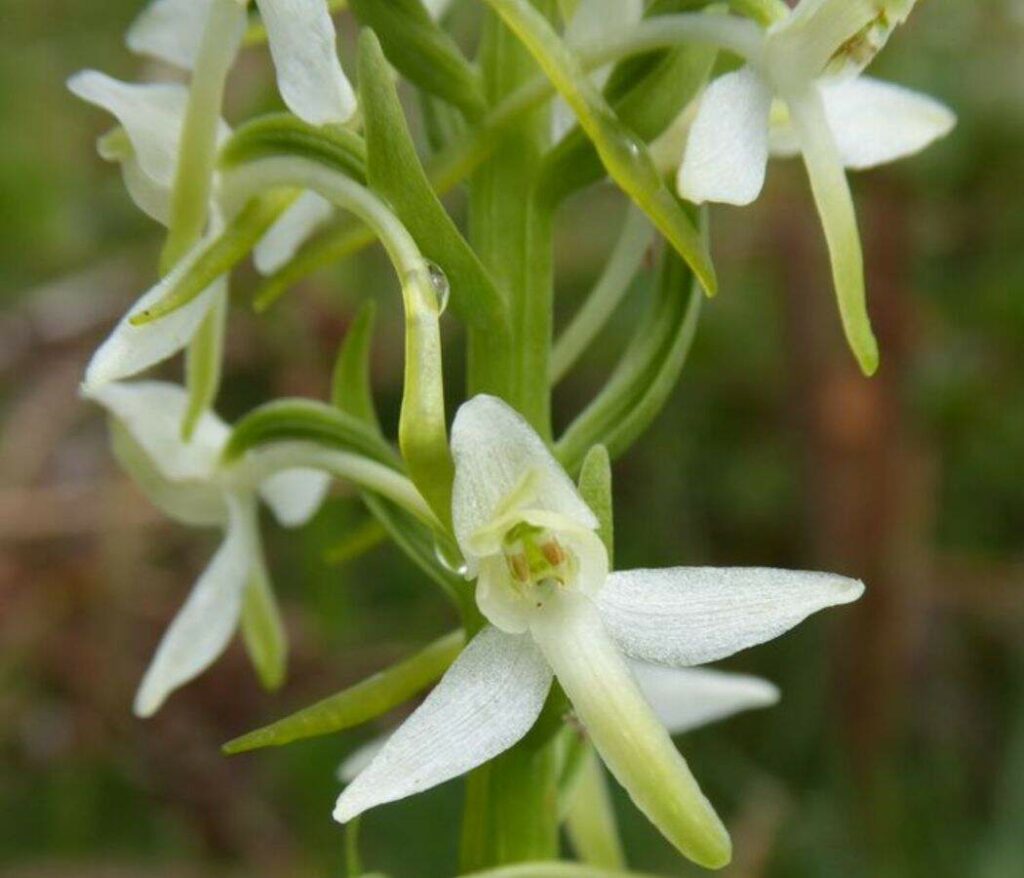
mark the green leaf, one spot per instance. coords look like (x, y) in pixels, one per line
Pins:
(395, 173)
(277, 134)
(222, 253)
(424, 53)
(304, 420)
(624, 156)
(590, 819)
(263, 630)
(644, 376)
(357, 704)
(647, 92)
(203, 365)
(596, 489)
(350, 383)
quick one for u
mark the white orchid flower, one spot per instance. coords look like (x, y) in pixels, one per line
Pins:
(683, 699)
(554, 611)
(302, 43)
(151, 117)
(186, 481)
(800, 93)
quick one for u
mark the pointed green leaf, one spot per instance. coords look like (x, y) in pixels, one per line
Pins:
(423, 52)
(350, 383)
(647, 92)
(263, 630)
(357, 704)
(596, 489)
(624, 156)
(222, 253)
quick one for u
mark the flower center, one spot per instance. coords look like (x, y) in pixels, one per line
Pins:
(535, 557)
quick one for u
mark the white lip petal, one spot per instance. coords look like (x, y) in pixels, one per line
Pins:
(291, 230)
(309, 76)
(496, 452)
(294, 495)
(131, 349)
(727, 151)
(688, 698)
(152, 413)
(483, 705)
(622, 726)
(875, 122)
(204, 625)
(151, 115)
(170, 30)
(684, 616)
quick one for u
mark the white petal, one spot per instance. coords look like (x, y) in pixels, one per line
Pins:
(727, 151)
(204, 625)
(875, 122)
(295, 495)
(193, 502)
(151, 115)
(292, 229)
(152, 412)
(497, 453)
(309, 75)
(170, 30)
(632, 742)
(483, 705)
(360, 758)
(687, 698)
(151, 196)
(131, 349)
(684, 616)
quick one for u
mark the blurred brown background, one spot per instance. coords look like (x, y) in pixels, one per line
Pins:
(898, 749)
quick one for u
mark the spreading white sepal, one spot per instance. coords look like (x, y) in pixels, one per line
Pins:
(170, 30)
(205, 624)
(727, 150)
(131, 349)
(876, 122)
(500, 458)
(151, 115)
(629, 737)
(685, 616)
(151, 412)
(290, 231)
(485, 703)
(294, 495)
(684, 699)
(303, 45)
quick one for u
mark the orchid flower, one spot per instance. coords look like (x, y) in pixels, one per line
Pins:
(801, 93)
(146, 144)
(543, 584)
(683, 699)
(302, 43)
(187, 481)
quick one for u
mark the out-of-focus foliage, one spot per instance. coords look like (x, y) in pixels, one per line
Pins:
(900, 756)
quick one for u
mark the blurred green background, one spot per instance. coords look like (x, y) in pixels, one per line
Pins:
(898, 748)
